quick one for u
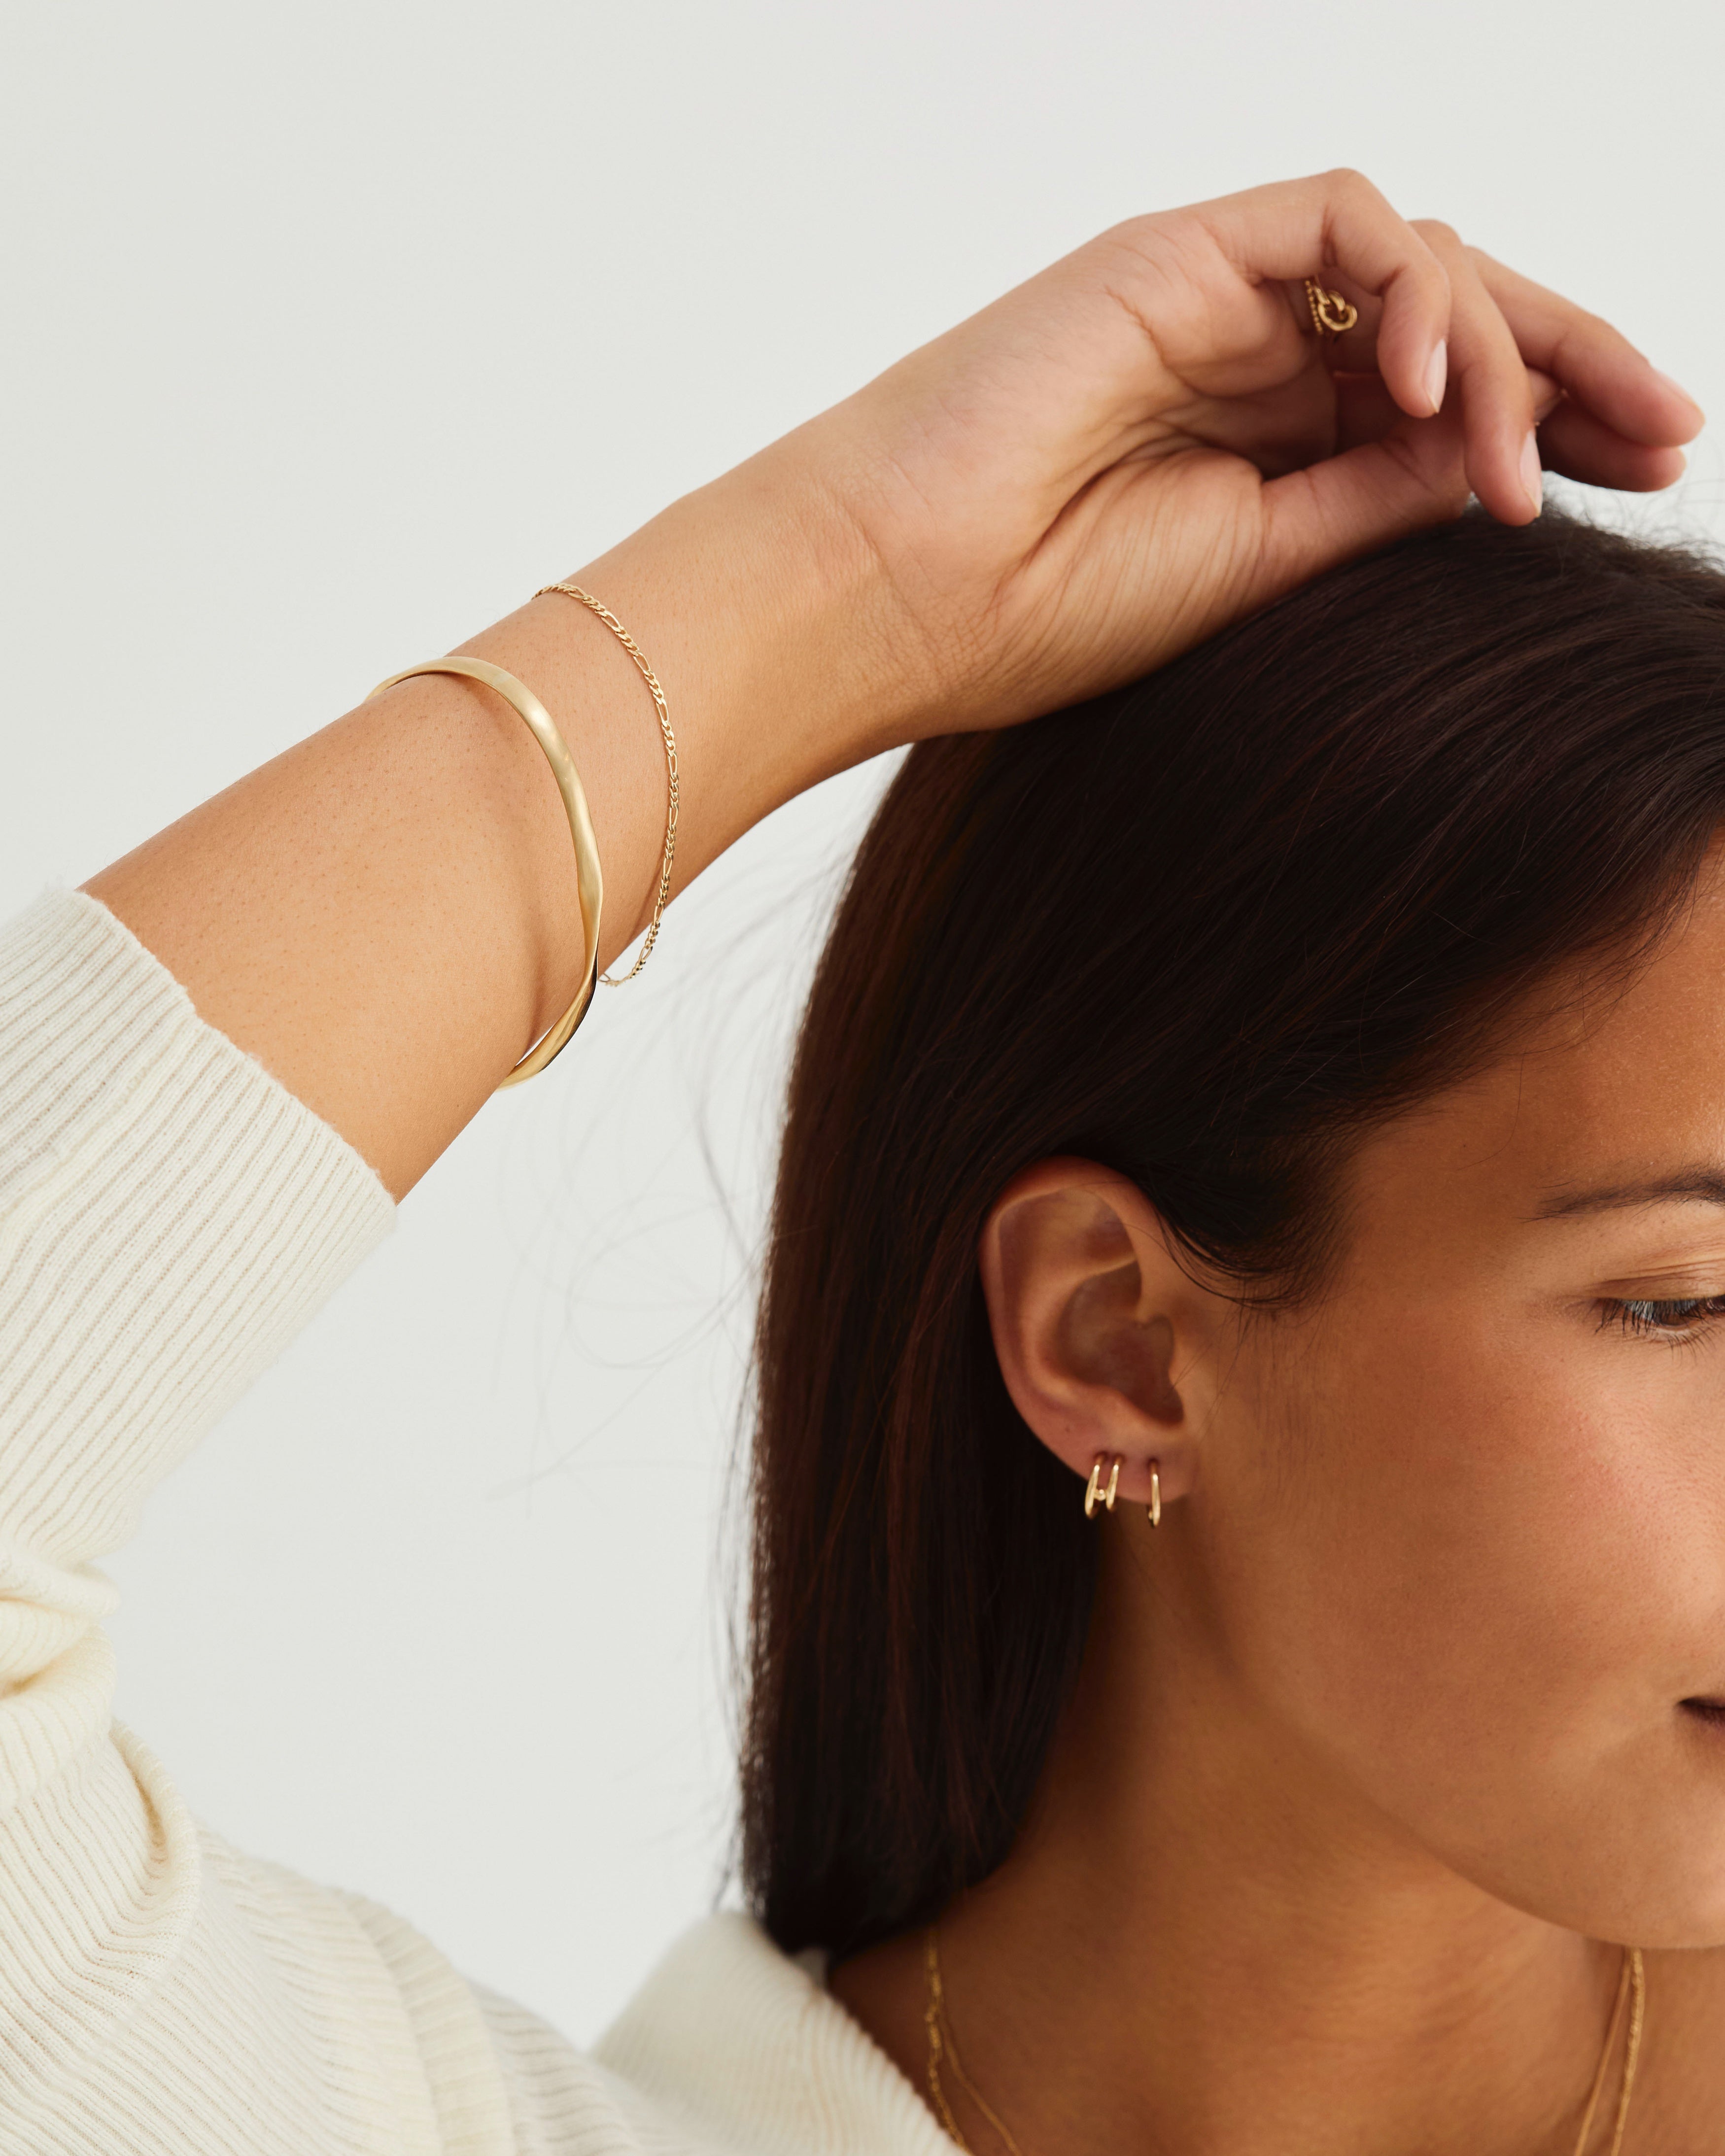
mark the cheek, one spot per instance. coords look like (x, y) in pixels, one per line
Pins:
(1475, 1575)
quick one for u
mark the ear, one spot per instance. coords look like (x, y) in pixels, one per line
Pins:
(1106, 1341)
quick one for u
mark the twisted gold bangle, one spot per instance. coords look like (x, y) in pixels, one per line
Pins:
(662, 896)
(589, 884)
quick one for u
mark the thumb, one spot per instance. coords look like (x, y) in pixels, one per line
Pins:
(1365, 498)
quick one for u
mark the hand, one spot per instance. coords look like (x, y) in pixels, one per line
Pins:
(1149, 440)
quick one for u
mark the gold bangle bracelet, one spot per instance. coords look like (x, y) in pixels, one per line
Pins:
(589, 884)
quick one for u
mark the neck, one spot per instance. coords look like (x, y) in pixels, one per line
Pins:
(1203, 1942)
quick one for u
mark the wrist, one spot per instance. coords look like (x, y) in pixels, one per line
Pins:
(747, 599)
(769, 605)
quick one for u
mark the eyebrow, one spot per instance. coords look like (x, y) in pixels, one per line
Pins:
(1701, 1185)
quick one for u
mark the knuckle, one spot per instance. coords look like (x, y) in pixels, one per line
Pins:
(1438, 235)
(1137, 236)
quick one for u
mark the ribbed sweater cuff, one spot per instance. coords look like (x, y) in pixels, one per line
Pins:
(170, 1215)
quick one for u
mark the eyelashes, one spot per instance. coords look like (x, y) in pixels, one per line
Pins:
(1681, 1319)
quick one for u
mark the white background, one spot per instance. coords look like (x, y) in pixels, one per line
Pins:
(332, 329)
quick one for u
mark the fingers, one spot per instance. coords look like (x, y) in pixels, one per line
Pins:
(1572, 441)
(1435, 315)
(1430, 305)
(1597, 367)
(1339, 222)
(1394, 477)
(1366, 411)
(1402, 476)
(1364, 498)
(1492, 387)
(1618, 426)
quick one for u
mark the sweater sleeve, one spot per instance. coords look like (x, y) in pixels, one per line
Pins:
(169, 1219)
(169, 1215)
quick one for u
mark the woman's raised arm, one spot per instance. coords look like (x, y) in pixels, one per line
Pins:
(1146, 440)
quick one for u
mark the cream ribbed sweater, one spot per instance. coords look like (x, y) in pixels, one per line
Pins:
(168, 1216)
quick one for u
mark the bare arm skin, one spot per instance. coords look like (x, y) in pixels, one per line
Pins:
(1105, 466)
(386, 916)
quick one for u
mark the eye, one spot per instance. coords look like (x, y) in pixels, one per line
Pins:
(1680, 1319)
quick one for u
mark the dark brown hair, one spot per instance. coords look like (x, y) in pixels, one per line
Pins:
(1200, 931)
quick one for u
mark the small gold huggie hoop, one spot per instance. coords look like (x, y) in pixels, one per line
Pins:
(1154, 1507)
(1094, 1493)
(1331, 314)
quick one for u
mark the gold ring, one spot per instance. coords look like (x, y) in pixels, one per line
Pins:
(1331, 314)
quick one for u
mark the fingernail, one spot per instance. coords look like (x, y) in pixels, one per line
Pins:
(1659, 375)
(1437, 374)
(1532, 478)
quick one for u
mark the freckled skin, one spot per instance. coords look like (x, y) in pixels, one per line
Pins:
(1380, 1753)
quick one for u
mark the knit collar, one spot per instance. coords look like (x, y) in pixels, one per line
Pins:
(744, 2048)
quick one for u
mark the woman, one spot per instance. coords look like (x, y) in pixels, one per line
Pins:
(1239, 1586)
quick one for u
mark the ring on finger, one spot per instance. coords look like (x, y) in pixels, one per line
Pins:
(1331, 314)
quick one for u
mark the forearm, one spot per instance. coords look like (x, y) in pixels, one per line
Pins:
(386, 916)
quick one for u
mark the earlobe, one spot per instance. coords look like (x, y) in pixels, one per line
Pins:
(1097, 1328)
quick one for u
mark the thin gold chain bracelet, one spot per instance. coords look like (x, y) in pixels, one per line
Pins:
(662, 896)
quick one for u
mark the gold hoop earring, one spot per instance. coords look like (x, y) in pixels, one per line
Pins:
(1094, 1493)
(1154, 1506)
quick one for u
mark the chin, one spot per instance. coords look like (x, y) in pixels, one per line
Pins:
(1658, 1879)
(1633, 1853)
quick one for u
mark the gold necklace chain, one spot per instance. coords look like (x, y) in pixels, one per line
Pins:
(942, 2050)
(941, 2046)
(1631, 1987)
